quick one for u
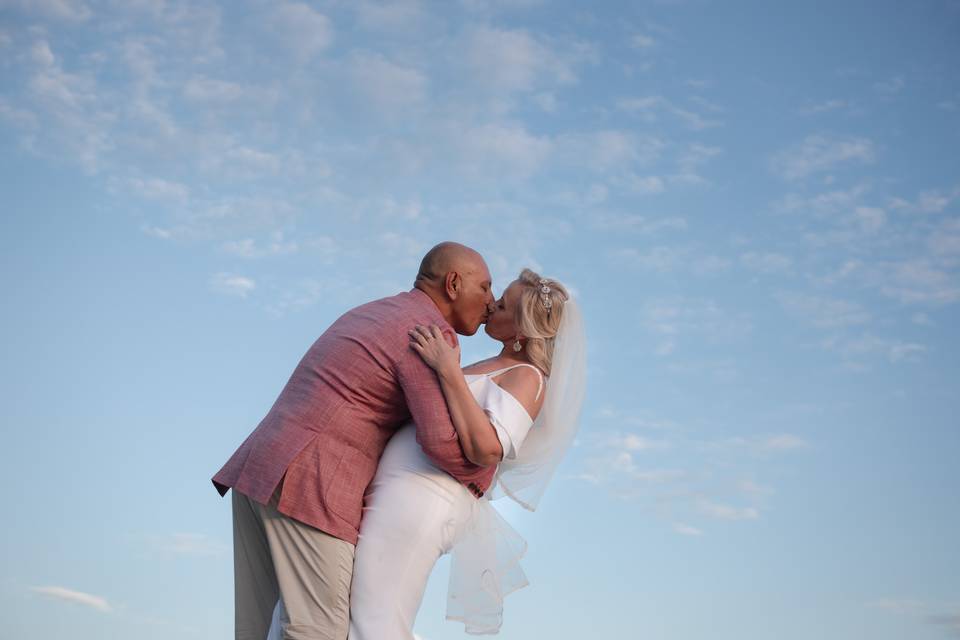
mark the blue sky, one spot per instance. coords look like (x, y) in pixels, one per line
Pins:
(757, 204)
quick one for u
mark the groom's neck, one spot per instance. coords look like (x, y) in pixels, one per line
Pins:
(437, 298)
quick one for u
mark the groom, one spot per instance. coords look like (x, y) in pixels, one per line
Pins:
(298, 479)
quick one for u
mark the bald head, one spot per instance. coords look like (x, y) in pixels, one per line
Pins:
(457, 280)
(447, 257)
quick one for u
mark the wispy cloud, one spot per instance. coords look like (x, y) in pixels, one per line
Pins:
(511, 60)
(232, 284)
(686, 529)
(727, 512)
(652, 108)
(890, 86)
(767, 262)
(76, 597)
(190, 544)
(302, 29)
(824, 312)
(929, 201)
(679, 318)
(69, 10)
(685, 480)
(819, 153)
(826, 106)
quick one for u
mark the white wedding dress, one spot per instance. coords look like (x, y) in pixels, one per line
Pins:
(414, 513)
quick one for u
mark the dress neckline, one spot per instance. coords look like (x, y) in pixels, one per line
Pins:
(503, 391)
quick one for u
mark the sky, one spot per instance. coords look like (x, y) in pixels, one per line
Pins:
(756, 204)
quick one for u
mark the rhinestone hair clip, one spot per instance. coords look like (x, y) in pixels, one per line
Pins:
(545, 295)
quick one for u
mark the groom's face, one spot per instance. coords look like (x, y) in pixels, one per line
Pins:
(474, 298)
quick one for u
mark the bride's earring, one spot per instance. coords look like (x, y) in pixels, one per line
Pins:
(516, 345)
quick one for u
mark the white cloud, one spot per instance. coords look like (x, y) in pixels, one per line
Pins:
(891, 86)
(20, 118)
(302, 29)
(824, 312)
(515, 60)
(870, 219)
(642, 41)
(727, 512)
(248, 247)
(672, 259)
(819, 153)
(944, 242)
(203, 89)
(686, 529)
(232, 285)
(507, 150)
(651, 108)
(752, 488)
(918, 281)
(782, 442)
(638, 223)
(70, 10)
(690, 161)
(157, 232)
(386, 84)
(760, 445)
(77, 597)
(192, 544)
(675, 319)
(857, 351)
(607, 150)
(826, 203)
(41, 54)
(931, 201)
(160, 189)
(396, 17)
(766, 261)
(823, 107)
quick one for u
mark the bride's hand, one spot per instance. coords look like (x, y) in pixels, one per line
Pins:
(434, 349)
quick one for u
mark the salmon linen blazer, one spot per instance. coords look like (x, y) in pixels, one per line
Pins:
(324, 435)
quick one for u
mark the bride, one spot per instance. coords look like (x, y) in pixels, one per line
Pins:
(519, 410)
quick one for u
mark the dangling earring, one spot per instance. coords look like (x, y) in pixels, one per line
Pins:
(516, 344)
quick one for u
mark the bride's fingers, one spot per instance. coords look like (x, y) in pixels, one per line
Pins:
(423, 331)
(417, 337)
(435, 332)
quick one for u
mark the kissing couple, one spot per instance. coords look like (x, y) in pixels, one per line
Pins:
(381, 454)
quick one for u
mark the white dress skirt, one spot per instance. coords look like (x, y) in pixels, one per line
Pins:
(414, 513)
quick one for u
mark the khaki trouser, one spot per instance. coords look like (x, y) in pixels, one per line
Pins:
(275, 555)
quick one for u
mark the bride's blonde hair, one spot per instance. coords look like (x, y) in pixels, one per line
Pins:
(537, 320)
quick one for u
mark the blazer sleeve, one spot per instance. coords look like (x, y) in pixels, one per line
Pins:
(428, 408)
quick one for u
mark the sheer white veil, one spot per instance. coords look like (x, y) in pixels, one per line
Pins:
(525, 478)
(485, 564)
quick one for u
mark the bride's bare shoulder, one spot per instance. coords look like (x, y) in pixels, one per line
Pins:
(526, 385)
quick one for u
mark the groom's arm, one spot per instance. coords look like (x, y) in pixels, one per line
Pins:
(428, 408)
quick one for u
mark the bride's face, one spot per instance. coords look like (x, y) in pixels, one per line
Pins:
(501, 323)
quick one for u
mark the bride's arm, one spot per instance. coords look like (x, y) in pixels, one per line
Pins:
(477, 435)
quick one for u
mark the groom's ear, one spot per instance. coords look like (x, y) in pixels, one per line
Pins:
(452, 284)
